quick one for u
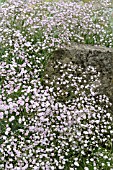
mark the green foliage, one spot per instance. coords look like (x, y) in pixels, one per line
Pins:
(2, 1)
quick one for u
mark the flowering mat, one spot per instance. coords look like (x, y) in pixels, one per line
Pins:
(52, 121)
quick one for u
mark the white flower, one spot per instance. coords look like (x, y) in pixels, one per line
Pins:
(20, 120)
(27, 44)
(61, 167)
(86, 168)
(4, 137)
(10, 166)
(111, 131)
(47, 104)
(11, 118)
(6, 132)
(105, 157)
(8, 129)
(76, 163)
(31, 128)
(3, 107)
(108, 115)
(78, 133)
(1, 115)
(18, 168)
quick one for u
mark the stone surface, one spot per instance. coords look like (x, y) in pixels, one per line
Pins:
(86, 55)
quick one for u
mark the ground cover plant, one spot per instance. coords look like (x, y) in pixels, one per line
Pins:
(38, 128)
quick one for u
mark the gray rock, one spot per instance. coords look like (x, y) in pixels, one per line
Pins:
(100, 58)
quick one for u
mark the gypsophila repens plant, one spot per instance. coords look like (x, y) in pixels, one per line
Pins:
(73, 134)
(36, 26)
(65, 123)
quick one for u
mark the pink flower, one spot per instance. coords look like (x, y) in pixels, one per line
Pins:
(1, 115)
(3, 107)
(21, 102)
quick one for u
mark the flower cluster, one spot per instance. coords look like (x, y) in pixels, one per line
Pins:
(35, 26)
(60, 133)
(59, 124)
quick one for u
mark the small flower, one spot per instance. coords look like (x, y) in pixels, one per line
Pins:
(27, 44)
(1, 115)
(86, 168)
(11, 118)
(76, 163)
